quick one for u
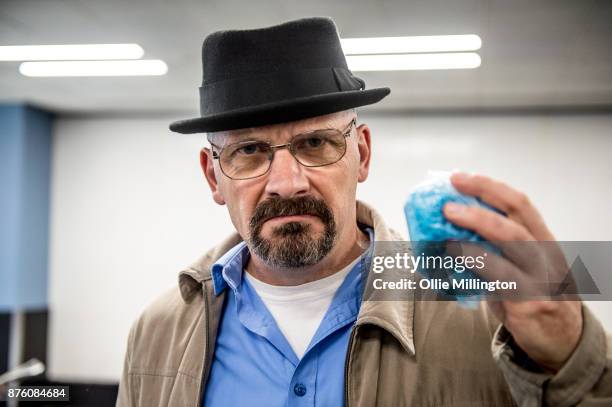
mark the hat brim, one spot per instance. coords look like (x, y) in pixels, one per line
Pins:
(280, 112)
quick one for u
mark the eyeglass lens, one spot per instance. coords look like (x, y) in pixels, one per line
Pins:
(251, 159)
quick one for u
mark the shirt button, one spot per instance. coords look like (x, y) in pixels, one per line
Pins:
(299, 389)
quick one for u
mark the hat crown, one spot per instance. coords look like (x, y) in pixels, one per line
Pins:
(282, 73)
(296, 45)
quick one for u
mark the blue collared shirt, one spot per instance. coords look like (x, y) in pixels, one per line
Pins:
(254, 365)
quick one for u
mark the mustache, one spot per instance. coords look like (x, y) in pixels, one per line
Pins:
(304, 205)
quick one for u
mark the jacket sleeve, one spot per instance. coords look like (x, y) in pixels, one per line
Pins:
(584, 380)
(125, 397)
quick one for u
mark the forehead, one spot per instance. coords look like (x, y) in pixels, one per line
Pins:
(282, 130)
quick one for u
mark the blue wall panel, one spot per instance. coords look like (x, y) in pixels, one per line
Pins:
(25, 151)
(11, 130)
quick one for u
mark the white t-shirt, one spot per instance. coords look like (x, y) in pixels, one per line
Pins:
(298, 310)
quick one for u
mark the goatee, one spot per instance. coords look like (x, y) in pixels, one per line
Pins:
(291, 244)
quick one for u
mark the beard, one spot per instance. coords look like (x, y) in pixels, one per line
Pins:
(292, 244)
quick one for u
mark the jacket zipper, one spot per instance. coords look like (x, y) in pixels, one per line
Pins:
(346, 366)
(206, 345)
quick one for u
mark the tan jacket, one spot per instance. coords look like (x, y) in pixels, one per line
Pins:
(400, 353)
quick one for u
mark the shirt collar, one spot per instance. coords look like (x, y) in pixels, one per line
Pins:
(227, 271)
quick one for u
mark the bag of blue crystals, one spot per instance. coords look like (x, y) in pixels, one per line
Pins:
(430, 230)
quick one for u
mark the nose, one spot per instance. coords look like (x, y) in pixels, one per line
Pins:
(286, 177)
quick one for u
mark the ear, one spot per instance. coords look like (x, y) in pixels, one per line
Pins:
(365, 151)
(208, 168)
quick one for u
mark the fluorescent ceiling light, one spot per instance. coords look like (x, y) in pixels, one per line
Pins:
(404, 45)
(70, 52)
(139, 67)
(395, 62)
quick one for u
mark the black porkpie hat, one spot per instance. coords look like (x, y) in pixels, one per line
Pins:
(277, 74)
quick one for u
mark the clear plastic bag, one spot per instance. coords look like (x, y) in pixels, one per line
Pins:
(429, 229)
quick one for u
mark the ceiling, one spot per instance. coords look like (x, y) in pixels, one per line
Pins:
(535, 54)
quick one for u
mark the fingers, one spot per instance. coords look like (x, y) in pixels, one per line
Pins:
(505, 198)
(488, 224)
(499, 268)
(507, 235)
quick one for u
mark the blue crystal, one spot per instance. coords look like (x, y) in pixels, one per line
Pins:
(423, 210)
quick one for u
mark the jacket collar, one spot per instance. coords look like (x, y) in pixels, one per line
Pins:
(394, 316)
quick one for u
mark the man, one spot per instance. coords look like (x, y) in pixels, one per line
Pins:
(275, 316)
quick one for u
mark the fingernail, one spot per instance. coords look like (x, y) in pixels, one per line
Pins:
(453, 208)
(460, 176)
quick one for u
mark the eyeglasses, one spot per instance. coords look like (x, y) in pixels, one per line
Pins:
(253, 158)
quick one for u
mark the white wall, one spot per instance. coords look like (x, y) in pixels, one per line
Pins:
(130, 207)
